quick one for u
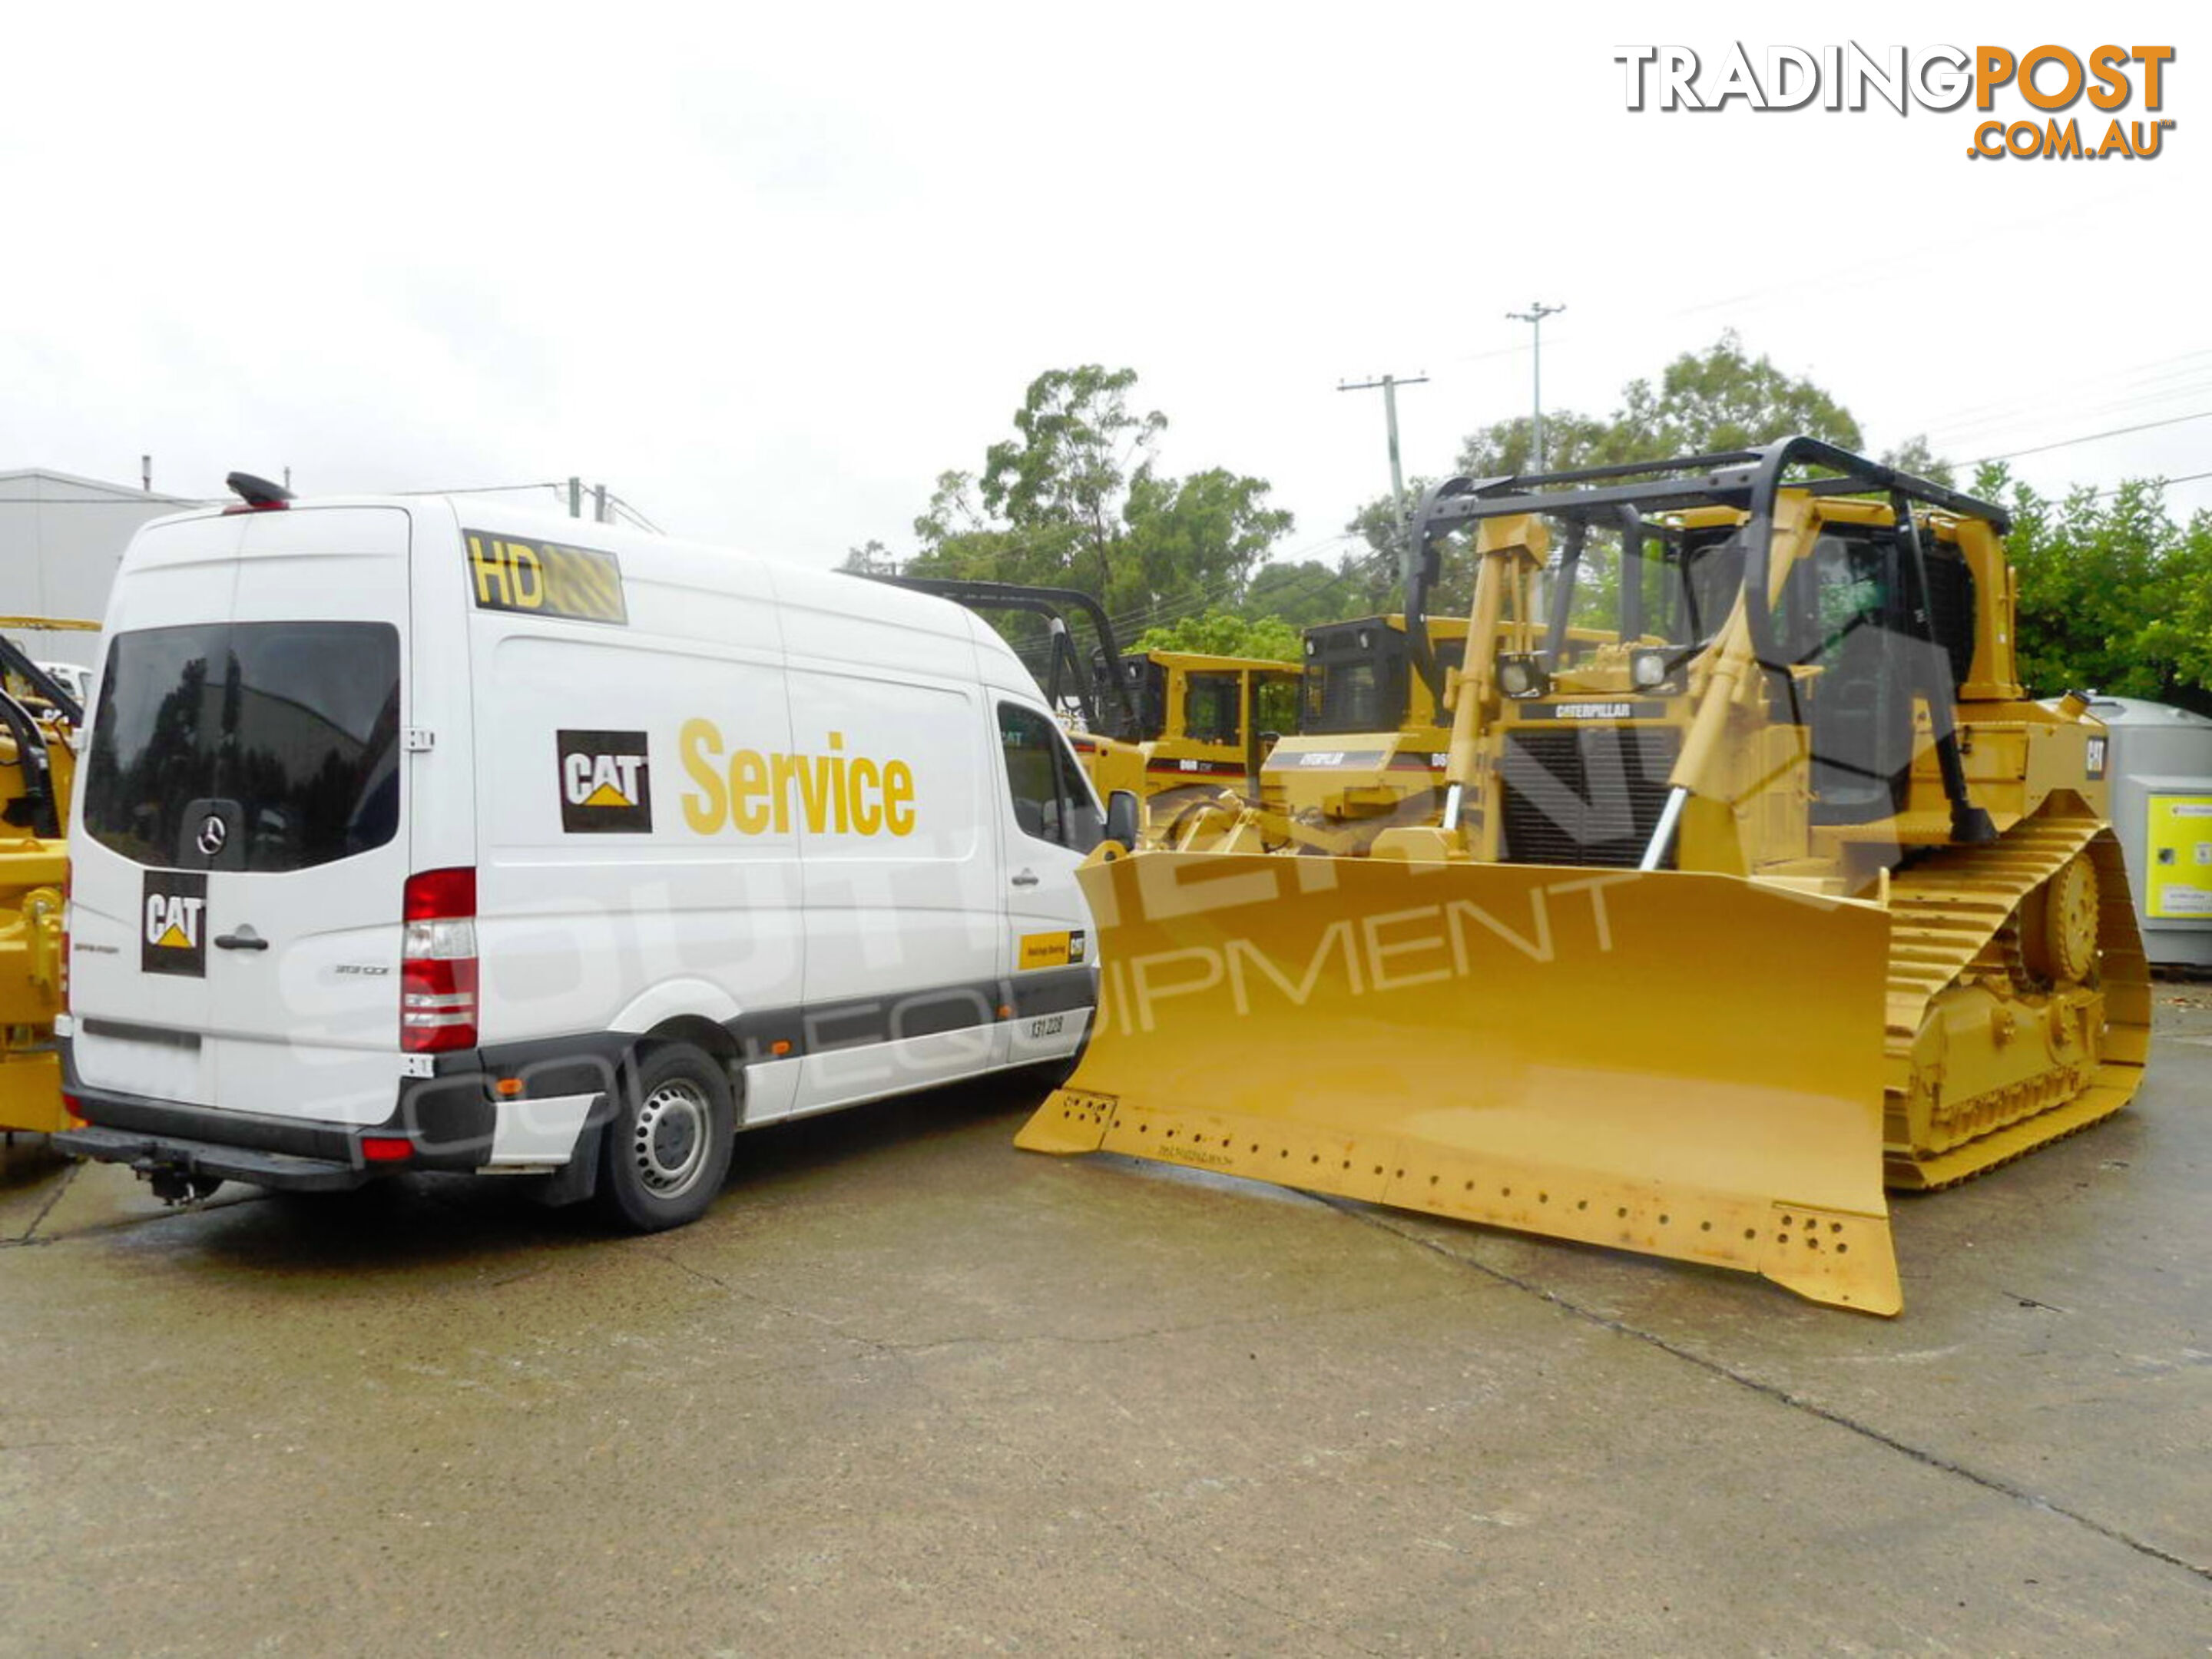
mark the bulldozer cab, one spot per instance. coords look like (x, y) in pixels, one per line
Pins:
(1841, 651)
(1370, 749)
(1359, 677)
(1207, 723)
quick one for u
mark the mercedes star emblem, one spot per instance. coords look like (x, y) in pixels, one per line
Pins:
(213, 833)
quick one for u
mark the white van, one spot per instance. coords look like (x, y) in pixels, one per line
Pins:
(427, 834)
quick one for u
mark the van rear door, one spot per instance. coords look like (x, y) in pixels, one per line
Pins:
(137, 944)
(246, 775)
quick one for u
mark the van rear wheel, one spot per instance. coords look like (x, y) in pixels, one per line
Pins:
(666, 1151)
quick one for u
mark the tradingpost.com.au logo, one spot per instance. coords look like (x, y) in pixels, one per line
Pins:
(2047, 101)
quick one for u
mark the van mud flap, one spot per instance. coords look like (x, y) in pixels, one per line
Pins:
(1681, 1064)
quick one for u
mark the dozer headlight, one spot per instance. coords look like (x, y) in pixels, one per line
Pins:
(1519, 675)
(1651, 671)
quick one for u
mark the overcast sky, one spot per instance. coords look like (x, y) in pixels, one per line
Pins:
(767, 271)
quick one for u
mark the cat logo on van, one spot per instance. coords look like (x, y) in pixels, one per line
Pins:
(173, 923)
(607, 782)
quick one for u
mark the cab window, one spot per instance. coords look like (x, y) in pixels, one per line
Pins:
(1275, 703)
(1050, 799)
(1211, 711)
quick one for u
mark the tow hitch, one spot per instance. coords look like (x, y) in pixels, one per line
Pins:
(174, 1179)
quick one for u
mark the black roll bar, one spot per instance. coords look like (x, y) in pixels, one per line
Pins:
(1750, 481)
(1053, 604)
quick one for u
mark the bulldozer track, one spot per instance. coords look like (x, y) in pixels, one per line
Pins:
(1955, 921)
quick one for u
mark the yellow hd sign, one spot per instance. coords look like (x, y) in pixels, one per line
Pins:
(544, 579)
(2179, 847)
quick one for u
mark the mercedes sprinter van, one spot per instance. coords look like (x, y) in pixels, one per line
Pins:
(420, 834)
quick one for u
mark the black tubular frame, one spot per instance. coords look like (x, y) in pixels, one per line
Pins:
(1750, 481)
(1053, 604)
(12, 661)
(31, 752)
(38, 768)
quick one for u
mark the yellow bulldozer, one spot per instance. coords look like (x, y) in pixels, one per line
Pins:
(1207, 724)
(40, 717)
(1757, 884)
(1368, 754)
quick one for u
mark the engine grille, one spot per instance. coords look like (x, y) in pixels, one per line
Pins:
(1588, 795)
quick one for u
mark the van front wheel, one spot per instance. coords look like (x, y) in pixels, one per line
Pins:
(667, 1148)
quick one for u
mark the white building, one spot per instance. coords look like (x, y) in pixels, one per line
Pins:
(61, 539)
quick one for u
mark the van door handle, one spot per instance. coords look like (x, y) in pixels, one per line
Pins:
(1025, 878)
(244, 939)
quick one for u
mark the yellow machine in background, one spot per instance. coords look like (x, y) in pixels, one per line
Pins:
(1173, 727)
(1369, 750)
(1756, 878)
(1206, 724)
(39, 721)
(1096, 706)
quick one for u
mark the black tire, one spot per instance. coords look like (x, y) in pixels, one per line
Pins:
(666, 1152)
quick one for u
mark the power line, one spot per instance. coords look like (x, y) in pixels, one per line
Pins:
(1166, 613)
(2114, 489)
(636, 512)
(1162, 612)
(2029, 422)
(2172, 366)
(483, 489)
(2090, 437)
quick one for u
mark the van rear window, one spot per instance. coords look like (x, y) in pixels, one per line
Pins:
(287, 731)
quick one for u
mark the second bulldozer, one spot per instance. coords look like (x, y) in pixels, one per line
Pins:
(1757, 882)
(1177, 729)
(39, 719)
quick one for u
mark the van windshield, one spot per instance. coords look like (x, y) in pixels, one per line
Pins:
(288, 732)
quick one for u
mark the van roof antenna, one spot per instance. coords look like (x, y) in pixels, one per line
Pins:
(258, 493)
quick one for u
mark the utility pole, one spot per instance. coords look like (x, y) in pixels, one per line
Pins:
(1390, 383)
(1534, 317)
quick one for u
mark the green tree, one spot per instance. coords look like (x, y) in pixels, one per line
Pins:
(1721, 398)
(2114, 595)
(1075, 499)
(1914, 456)
(1717, 399)
(1224, 634)
(870, 558)
(1724, 400)
(1309, 592)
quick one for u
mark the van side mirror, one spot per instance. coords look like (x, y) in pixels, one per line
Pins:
(1122, 813)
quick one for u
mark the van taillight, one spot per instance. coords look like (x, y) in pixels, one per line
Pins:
(61, 974)
(438, 963)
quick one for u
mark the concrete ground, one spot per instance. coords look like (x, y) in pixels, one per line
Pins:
(907, 1389)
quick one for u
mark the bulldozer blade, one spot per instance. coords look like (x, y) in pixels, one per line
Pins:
(1685, 1064)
